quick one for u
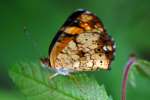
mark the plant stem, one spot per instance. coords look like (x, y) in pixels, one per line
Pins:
(131, 61)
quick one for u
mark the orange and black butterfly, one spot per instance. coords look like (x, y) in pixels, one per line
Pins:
(81, 44)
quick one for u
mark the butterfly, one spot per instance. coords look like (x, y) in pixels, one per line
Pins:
(81, 44)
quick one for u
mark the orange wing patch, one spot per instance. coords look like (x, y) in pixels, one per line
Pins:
(58, 47)
(72, 30)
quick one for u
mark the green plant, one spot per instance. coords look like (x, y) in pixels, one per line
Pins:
(142, 66)
(33, 82)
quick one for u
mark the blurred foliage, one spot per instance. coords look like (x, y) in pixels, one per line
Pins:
(10, 95)
(143, 68)
(127, 22)
(139, 78)
(35, 85)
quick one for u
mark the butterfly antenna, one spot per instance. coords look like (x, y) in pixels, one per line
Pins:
(29, 36)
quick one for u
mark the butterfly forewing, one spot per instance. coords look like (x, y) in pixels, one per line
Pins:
(81, 44)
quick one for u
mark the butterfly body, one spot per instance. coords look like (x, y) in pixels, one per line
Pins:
(81, 44)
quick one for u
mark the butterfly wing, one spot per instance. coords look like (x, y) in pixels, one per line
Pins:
(64, 36)
(81, 44)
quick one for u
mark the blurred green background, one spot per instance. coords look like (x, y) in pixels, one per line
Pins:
(128, 21)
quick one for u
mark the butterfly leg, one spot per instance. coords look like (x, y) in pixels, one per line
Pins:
(52, 76)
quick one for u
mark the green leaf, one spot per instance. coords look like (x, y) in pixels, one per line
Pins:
(110, 98)
(143, 67)
(33, 82)
(132, 76)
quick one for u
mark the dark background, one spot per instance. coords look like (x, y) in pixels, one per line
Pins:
(128, 22)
